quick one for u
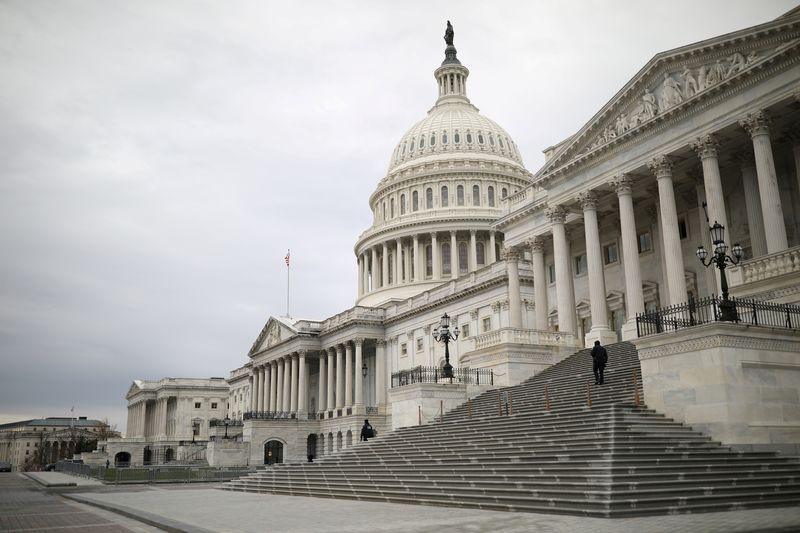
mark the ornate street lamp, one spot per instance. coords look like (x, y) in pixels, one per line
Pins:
(443, 334)
(720, 258)
(364, 370)
(227, 422)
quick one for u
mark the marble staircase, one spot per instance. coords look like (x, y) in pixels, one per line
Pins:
(555, 443)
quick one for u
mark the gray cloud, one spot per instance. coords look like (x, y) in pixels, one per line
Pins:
(158, 158)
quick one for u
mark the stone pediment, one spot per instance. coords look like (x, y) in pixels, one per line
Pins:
(133, 390)
(674, 81)
(275, 331)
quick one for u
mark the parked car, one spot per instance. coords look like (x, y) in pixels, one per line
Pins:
(5, 467)
(50, 467)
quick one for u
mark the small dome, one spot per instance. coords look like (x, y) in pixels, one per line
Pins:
(454, 128)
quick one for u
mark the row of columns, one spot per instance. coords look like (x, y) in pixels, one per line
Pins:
(765, 217)
(144, 421)
(281, 385)
(408, 261)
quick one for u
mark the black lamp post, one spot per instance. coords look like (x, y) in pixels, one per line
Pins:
(364, 370)
(443, 334)
(227, 422)
(720, 258)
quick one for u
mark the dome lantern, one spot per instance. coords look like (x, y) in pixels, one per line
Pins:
(451, 75)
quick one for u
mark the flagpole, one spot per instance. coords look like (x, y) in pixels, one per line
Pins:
(288, 260)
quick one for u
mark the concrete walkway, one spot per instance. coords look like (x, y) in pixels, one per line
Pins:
(57, 479)
(203, 510)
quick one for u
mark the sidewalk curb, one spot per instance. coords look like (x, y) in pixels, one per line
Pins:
(48, 484)
(173, 526)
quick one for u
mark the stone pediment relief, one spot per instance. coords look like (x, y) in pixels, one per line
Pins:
(274, 332)
(672, 80)
(133, 390)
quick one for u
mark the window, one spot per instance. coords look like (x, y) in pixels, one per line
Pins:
(460, 195)
(419, 344)
(500, 142)
(491, 139)
(504, 193)
(412, 144)
(469, 138)
(446, 258)
(428, 260)
(682, 229)
(403, 152)
(551, 273)
(402, 204)
(444, 199)
(384, 210)
(465, 330)
(463, 261)
(457, 137)
(480, 138)
(421, 143)
(28, 444)
(415, 201)
(213, 405)
(491, 196)
(581, 266)
(404, 349)
(444, 137)
(476, 195)
(197, 405)
(391, 268)
(479, 253)
(645, 242)
(487, 324)
(433, 139)
(391, 208)
(428, 198)
(611, 253)
(196, 427)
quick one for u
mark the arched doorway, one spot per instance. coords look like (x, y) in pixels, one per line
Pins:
(311, 446)
(169, 455)
(349, 438)
(148, 455)
(330, 443)
(122, 459)
(338, 441)
(273, 452)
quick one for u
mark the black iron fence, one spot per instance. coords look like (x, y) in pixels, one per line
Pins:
(707, 310)
(153, 474)
(216, 422)
(433, 374)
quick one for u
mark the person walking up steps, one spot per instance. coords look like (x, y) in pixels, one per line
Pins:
(599, 358)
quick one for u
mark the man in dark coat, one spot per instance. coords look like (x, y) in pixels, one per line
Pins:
(599, 358)
(366, 431)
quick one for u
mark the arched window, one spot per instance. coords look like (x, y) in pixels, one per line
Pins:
(504, 193)
(414, 201)
(500, 142)
(490, 192)
(402, 204)
(413, 141)
(384, 210)
(463, 258)
(443, 199)
(428, 198)
(480, 138)
(460, 195)
(404, 150)
(433, 139)
(479, 253)
(446, 258)
(491, 139)
(457, 137)
(428, 261)
(391, 269)
(421, 143)
(391, 208)
(444, 137)
(469, 138)
(476, 195)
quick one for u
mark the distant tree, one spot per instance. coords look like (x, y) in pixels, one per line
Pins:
(106, 431)
(38, 460)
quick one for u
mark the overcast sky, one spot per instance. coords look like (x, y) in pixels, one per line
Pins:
(157, 159)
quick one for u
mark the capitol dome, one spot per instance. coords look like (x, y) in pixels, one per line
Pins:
(445, 186)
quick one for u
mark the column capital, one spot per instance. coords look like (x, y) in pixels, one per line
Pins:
(331, 350)
(536, 244)
(433, 235)
(705, 146)
(302, 352)
(473, 231)
(588, 200)
(756, 123)
(381, 342)
(557, 214)
(453, 233)
(473, 314)
(661, 166)
(622, 184)
(511, 253)
(358, 341)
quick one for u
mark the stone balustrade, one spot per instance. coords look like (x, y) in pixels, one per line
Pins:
(765, 267)
(523, 336)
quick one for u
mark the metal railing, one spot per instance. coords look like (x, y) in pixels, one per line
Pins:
(433, 374)
(152, 474)
(216, 422)
(707, 310)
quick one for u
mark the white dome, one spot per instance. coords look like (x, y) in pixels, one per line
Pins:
(454, 128)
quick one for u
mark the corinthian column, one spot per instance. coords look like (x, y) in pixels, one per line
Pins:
(564, 288)
(752, 202)
(380, 372)
(257, 377)
(339, 377)
(418, 274)
(287, 383)
(281, 406)
(273, 387)
(302, 380)
(473, 251)
(398, 262)
(757, 125)
(348, 375)
(437, 265)
(359, 386)
(661, 166)
(453, 255)
(323, 376)
(294, 383)
(539, 283)
(385, 266)
(365, 274)
(514, 298)
(331, 380)
(492, 256)
(597, 284)
(360, 276)
(374, 269)
(634, 299)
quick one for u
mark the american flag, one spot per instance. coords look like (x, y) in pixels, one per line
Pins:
(287, 258)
